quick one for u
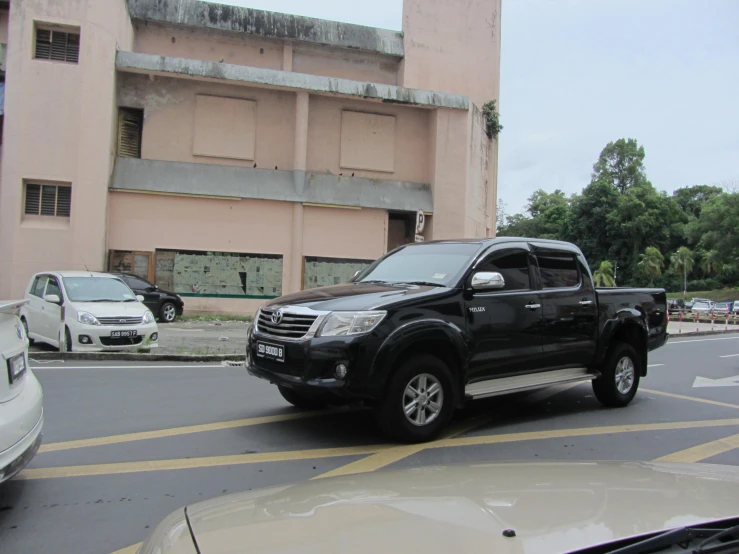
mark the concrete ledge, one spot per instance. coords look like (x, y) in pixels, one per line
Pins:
(133, 357)
(674, 336)
(166, 66)
(155, 176)
(268, 24)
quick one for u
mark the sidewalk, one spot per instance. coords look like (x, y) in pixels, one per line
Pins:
(207, 340)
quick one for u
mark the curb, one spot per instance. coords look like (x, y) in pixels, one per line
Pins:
(673, 336)
(133, 357)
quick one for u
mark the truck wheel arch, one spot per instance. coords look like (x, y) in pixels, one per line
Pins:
(630, 331)
(439, 339)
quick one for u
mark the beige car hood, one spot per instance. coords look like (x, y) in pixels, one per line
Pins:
(552, 507)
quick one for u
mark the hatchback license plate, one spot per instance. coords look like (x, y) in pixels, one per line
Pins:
(16, 368)
(119, 334)
(271, 351)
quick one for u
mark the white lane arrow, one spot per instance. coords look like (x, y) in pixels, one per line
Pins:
(725, 382)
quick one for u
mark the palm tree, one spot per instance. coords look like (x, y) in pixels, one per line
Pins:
(682, 262)
(651, 263)
(603, 276)
(710, 262)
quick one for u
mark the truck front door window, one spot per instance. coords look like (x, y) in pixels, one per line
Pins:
(513, 267)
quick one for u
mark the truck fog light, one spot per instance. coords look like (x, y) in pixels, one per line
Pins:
(340, 371)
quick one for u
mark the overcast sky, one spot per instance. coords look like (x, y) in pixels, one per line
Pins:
(579, 73)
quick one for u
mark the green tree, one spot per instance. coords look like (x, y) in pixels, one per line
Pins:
(682, 262)
(603, 276)
(692, 199)
(548, 214)
(651, 264)
(620, 164)
(710, 263)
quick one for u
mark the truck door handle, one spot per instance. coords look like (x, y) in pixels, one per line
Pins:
(586, 302)
(533, 306)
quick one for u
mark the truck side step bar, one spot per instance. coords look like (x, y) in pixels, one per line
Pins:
(518, 383)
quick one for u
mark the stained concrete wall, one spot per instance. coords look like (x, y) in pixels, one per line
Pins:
(169, 111)
(345, 64)
(411, 139)
(341, 233)
(49, 109)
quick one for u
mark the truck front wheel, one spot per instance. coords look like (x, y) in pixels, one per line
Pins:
(619, 377)
(419, 400)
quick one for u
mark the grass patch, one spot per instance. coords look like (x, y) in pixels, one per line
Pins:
(216, 317)
(723, 295)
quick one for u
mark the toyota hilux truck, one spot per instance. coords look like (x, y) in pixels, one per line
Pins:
(432, 325)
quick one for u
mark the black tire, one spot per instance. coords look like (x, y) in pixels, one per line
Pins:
(390, 413)
(25, 328)
(606, 387)
(67, 340)
(302, 401)
(167, 312)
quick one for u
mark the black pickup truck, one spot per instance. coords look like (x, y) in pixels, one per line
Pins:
(431, 325)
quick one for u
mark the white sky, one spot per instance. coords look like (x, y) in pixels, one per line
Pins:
(579, 73)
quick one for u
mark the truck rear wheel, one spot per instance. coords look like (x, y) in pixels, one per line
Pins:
(419, 400)
(301, 400)
(619, 379)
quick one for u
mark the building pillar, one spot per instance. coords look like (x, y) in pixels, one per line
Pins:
(299, 165)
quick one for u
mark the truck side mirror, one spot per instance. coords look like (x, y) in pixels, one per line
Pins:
(485, 280)
(355, 274)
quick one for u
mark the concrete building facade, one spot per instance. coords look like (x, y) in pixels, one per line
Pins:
(234, 155)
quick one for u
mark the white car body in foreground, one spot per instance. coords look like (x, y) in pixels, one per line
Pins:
(498, 508)
(21, 399)
(87, 312)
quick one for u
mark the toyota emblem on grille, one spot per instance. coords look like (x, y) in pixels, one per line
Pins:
(277, 317)
(122, 321)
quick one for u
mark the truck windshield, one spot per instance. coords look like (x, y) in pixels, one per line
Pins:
(424, 263)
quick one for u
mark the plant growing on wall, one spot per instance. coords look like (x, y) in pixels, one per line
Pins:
(492, 119)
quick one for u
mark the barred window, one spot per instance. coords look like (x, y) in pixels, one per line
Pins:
(51, 200)
(58, 46)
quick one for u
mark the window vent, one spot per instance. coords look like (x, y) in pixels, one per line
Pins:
(58, 46)
(51, 200)
(130, 127)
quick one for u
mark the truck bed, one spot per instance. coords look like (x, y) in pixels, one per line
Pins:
(650, 304)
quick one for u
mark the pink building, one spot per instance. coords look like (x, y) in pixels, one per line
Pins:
(232, 154)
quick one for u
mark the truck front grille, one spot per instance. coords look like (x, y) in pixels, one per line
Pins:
(292, 325)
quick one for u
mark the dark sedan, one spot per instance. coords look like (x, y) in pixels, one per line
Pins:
(164, 304)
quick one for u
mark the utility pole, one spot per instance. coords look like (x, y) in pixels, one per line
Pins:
(615, 272)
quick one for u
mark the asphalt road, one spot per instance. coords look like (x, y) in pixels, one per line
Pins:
(125, 444)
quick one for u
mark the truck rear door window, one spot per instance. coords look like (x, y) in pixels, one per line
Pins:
(558, 271)
(513, 266)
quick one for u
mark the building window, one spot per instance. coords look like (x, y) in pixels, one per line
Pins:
(130, 127)
(51, 200)
(322, 272)
(58, 46)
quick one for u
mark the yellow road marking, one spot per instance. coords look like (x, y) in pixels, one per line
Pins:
(567, 433)
(392, 455)
(160, 433)
(702, 451)
(693, 398)
(129, 549)
(191, 463)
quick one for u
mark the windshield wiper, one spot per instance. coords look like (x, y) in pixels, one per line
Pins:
(683, 537)
(419, 283)
(103, 300)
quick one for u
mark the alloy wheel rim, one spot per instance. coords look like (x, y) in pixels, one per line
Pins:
(625, 373)
(423, 399)
(169, 312)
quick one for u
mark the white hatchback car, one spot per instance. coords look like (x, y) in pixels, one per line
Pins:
(21, 399)
(87, 312)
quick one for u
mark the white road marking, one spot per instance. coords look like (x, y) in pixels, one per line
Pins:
(699, 340)
(729, 356)
(655, 365)
(725, 382)
(184, 364)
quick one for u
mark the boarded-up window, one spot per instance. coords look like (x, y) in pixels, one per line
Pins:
(367, 141)
(130, 127)
(51, 200)
(224, 127)
(58, 46)
(322, 272)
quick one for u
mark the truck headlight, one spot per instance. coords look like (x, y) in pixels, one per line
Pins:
(87, 318)
(339, 324)
(148, 318)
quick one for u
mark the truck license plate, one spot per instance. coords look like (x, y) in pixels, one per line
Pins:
(270, 351)
(119, 334)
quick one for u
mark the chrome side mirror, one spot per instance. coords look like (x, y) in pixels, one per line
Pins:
(485, 280)
(355, 274)
(140, 298)
(53, 299)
